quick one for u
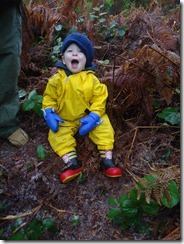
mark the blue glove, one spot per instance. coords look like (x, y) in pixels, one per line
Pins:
(89, 123)
(52, 119)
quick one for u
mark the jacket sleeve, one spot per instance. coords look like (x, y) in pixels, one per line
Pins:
(99, 97)
(50, 94)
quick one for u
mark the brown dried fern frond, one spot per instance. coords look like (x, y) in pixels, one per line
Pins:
(131, 88)
(165, 38)
(44, 19)
(69, 10)
(164, 65)
(149, 28)
(158, 186)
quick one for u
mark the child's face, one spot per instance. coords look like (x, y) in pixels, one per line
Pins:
(74, 58)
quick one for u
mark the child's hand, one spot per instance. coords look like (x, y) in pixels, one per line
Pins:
(52, 119)
(89, 123)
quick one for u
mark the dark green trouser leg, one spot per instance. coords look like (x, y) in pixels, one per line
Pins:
(10, 50)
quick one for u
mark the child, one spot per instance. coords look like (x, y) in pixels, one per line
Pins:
(74, 101)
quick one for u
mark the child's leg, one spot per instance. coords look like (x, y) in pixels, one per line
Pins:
(63, 141)
(103, 137)
(64, 144)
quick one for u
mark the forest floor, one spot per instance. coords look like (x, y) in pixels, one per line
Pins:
(31, 186)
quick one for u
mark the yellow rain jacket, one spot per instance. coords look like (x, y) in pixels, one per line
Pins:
(70, 96)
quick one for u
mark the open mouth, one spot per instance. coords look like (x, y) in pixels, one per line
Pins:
(74, 63)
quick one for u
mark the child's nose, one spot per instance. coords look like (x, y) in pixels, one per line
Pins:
(75, 53)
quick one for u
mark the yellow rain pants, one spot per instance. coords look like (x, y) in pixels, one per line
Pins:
(70, 97)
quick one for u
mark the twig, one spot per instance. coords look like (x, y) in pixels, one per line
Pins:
(129, 152)
(171, 233)
(12, 217)
(136, 180)
(61, 210)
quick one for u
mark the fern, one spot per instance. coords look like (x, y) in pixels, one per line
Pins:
(160, 185)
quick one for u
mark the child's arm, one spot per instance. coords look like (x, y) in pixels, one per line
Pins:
(50, 94)
(99, 97)
(49, 105)
(96, 110)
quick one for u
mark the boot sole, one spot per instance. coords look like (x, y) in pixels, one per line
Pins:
(70, 175)
(113, 172)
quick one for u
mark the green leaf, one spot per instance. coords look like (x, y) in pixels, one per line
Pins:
(34, 230)
(173, 118)
(121, 32)
(28, 105)
(32, 94)
(150, 178)
(41, 153)
(96, 9)
(106, 61)
(113, 212)
(151, 208)
(133, 196)
(103, 13)
(129, 208)
(38, 110)
(170, 115)
(125, 27)
(17, 236)
(113, 24)
(22, 93)
(59, 41)
(174, 195)
(112, 201)
(58, 27)
(39, 99)
(75, 220)
(48, 223)
(165, 112)
(102, 20)
(56, 49)
(122, 198)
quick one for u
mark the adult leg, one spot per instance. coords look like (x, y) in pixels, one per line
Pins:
(10, 50)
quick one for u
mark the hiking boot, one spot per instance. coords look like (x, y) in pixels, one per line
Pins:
(72, 170)
(19, 138)
(110, 169)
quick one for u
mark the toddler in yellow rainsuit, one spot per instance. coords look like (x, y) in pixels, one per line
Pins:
(75, 101)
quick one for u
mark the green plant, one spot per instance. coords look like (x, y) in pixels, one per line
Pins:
(100, 21)
(33, 103)
(170, 115)
(81, 178)
(57, 43)
(75, 220)
(41, 152)
(158, 189)
(129, 209)
(34, 230)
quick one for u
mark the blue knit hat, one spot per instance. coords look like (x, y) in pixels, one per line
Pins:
(83, 43)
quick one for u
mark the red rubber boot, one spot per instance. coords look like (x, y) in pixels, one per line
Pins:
(110, 169)
(72, 170)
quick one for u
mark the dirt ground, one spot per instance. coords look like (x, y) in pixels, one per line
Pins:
(27, 183)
